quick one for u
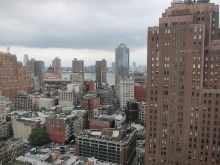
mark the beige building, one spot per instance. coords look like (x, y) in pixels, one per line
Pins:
(67, 98)
(22, 127)
(23, 101)
(46, 103)
(126, 91)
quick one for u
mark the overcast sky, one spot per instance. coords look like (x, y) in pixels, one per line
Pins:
(83, 29)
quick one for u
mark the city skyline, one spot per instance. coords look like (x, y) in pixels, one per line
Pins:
(53, 32)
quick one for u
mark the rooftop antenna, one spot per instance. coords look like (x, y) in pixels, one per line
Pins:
(8, 50)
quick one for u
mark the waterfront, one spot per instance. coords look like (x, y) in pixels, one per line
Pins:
(91, 76)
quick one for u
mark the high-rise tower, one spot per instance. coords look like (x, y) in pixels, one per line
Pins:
(121, 62)
(56, 64)
(183, 86)
(101, 69)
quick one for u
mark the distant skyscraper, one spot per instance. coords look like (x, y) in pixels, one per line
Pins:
(113, 66)
(25, 59)
(39, 71)
(121, 62)
(56, 64)
(78, 66)
(101, 69)
(183, 86)
(134, 67)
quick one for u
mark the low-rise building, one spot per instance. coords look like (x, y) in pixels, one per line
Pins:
(83, 118)
(91, 86)
(46, 103)
(120, 119)
(4, 127)
(105, 110)
(23, 101)
(132, 110)
(22, 127)
(90, 102)
(113, 145)
(142, 113)
(6, 103)
(102, 121)
(67, 98)
(106, 96)
(61, 128)
(139, 78)
(76, 87)
(139, 92)
(11, 149)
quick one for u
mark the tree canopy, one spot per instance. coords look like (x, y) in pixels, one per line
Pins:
(38, 137)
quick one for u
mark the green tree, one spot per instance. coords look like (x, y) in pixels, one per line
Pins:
(38, 137)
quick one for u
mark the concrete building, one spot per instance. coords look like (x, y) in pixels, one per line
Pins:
(23, 101)
(77, 78)
(20, 114)
(132, 110)
(120, 119)
(4, 127)
(30, 68)
(106, 96)
(10, 150)
(105, 110)
(183, 86)
(13, 76)
(25, 59)
(6, 103)
(121, 63)
(102, 121)
(76, 87)
(100, 70)
(126, 91)
(56, 64)
(139, 78)
(113, 145)
(90, 102)
(83, 118)
(67, 98)
(61, 128)
(142, 113)
(78, 66)
(46, 103)
(91, 86)
(113, 67)
(39, 71)
(22, 127)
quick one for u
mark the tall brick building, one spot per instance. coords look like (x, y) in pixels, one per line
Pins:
(183, 86)
(56, 64)
(13, 76)
(90, 102)
(101, 69)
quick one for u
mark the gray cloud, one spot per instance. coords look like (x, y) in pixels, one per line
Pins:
(78, 24)
(92, 24)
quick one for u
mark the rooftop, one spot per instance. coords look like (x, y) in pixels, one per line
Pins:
(122, 135)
